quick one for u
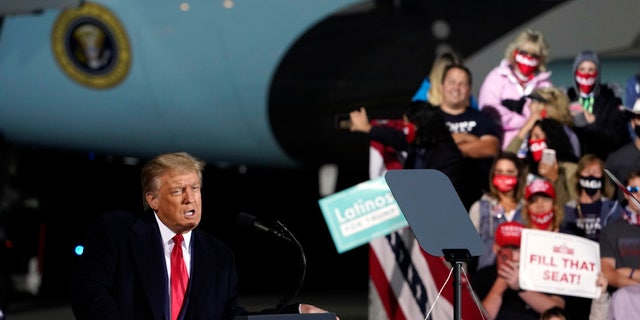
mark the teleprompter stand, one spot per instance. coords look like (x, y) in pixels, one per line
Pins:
(437, 218)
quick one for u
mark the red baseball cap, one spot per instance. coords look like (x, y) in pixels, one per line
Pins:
(540, 186)
(509, 234)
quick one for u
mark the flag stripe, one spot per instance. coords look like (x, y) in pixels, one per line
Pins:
(385, 293)
(406, 278)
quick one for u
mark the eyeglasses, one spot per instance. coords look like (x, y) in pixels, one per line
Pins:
(526, 53)
(633, 189)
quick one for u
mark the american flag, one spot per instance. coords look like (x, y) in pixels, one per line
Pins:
(404, 280)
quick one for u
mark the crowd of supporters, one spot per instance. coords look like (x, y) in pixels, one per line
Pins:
(529, 153)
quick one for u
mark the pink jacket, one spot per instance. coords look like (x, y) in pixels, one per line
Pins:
(502, 84)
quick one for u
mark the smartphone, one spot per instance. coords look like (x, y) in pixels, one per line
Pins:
(342, 121)
(548, 156)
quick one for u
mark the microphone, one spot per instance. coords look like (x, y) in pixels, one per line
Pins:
(249, 221)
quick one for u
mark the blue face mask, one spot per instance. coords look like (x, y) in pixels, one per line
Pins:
(590, 184)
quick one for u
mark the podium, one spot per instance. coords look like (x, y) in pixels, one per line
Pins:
(290, 316)
(437, 218)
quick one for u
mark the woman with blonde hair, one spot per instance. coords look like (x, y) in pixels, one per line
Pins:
(593, 209)
(546, 103)
(504, 89)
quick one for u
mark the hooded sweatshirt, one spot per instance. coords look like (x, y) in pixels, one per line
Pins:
(609, 131)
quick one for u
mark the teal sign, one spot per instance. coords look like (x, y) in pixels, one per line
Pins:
(361, 213)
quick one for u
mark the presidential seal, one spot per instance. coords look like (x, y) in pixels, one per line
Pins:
(91, 46)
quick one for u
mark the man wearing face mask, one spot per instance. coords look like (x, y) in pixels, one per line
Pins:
(587, 215)
(599, 123)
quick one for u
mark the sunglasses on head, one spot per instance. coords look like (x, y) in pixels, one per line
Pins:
(633, 189)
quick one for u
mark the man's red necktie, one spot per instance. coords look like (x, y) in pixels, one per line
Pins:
(179, 277)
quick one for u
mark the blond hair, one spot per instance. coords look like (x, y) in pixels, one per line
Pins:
(435, 76)
(557, 105)
(607, 189)
(534, 37)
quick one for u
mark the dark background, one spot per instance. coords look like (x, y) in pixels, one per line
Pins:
(71, 188)
(374, 58)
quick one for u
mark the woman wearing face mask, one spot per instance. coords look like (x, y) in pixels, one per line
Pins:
(599, 123)
(593, 209)
(549, 133)
(588, 213)
(552, 103)
(541, 210)
(504, 89)
(501, 204)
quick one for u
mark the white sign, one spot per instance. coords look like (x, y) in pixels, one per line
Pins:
(559, 263)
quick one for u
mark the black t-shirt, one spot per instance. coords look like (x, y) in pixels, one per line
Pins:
(513, 307)
(476, 170)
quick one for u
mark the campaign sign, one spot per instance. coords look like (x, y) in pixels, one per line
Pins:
(559, 263)
(359, 214)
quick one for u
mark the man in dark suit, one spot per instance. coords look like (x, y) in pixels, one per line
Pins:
(127, 268)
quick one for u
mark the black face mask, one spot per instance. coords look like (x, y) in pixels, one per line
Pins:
(636, 129)
(591, 185)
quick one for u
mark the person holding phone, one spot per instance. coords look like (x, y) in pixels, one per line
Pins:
(546, 134)
(551, 103)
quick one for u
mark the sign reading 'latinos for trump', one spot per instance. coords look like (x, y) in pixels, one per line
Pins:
(559, 263)
(361, 213)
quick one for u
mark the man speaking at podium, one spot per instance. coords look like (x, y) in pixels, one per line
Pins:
(158, 265)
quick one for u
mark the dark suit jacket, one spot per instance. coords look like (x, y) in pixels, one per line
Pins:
(122, 273)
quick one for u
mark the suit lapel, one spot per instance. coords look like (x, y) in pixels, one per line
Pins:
(201, 272)
(148, 255)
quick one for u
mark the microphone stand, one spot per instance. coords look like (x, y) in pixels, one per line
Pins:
(302, 269)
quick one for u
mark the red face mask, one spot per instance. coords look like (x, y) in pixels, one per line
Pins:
(410, 132)
(586, 81)
(543, 113)
(504, 183)
(526, 63)
(542, 221)
(536, 146)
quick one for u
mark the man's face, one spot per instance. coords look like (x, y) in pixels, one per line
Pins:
(634, 182)
(456, 91)
(505, 254)
(177, 200)
(635, 122)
